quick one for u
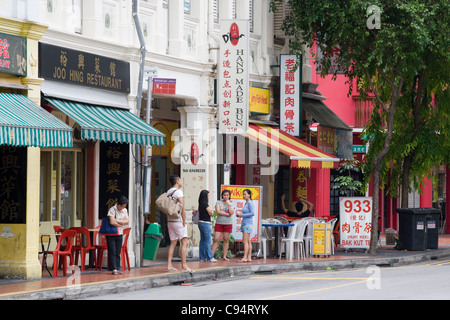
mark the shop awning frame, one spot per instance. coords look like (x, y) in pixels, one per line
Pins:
(23, 123)
(322, 113)
(109, 124)
(302, 154)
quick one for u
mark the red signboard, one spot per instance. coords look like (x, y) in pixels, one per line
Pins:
(164, 86)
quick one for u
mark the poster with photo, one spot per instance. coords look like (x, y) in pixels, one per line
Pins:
(238, 203)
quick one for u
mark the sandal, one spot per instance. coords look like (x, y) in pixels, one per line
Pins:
(115, 272)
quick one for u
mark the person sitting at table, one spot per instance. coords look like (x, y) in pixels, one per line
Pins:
(303, 208)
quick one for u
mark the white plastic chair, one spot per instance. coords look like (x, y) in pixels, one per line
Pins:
(333, 224)
(295, 237)
(281, 219)
(266, 235)
(309, 233)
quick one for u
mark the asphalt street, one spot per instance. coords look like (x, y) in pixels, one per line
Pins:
(425, 281)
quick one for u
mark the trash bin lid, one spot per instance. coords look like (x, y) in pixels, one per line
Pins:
(154, 229)
(418, 210)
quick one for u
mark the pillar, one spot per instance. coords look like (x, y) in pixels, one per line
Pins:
(426, 198)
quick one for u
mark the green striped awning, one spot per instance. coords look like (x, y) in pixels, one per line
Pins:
(109, 124)
(25, 124)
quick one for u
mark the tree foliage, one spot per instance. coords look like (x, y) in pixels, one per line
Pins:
(400, 63)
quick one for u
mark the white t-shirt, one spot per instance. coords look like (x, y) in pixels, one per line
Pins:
(177, 194)
(119, 215)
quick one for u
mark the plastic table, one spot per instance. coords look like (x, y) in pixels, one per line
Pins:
(277, 226)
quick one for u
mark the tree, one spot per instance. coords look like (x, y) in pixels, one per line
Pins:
(384, 44)
(345, 183)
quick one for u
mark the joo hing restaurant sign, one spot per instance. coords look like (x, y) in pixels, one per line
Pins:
(82, 68)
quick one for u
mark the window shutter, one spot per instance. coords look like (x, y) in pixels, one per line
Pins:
(216, 11)
(282, 11)
(250, 13)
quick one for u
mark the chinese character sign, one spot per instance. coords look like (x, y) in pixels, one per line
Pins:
(13, 186)
(290, 95)
(355, 215)
(299, 178)
(238, 204)
(233, 80)
(13, 54)
(326, 139)
(114, 174)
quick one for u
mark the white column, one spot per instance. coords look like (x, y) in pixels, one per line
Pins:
(176, 25)
(198, 127)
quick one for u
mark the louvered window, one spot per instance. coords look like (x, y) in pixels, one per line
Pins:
(216, 11)
(279, 15)
(250, 15)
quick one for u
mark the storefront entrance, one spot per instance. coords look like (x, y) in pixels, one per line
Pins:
(61, 184)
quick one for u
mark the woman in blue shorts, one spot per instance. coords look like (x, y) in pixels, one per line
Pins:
(247, 213)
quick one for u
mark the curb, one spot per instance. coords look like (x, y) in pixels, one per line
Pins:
(218, 273)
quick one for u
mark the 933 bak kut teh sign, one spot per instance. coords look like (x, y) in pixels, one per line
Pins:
(233, 82)
(355, 215)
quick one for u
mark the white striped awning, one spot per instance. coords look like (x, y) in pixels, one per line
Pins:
(25, 124)
(109, 124)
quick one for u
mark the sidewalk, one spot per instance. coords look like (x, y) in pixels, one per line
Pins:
(93, 283)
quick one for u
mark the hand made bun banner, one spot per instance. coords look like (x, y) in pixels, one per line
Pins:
(233, 81)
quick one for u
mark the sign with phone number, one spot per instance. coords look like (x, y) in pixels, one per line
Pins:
(355, 215)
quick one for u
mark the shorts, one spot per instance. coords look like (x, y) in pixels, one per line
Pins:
(247, 228)
(223, 228)
(176, 230)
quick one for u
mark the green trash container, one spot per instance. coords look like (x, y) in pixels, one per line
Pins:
(153, 237)
(418, 228)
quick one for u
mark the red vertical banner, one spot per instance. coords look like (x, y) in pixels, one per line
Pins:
(299, 189)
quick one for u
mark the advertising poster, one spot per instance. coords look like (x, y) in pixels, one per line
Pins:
(355, 215)
(238, 203)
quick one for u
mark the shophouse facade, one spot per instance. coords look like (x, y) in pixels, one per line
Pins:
(87, 61)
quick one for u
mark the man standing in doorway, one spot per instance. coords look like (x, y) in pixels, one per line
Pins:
(177, 227)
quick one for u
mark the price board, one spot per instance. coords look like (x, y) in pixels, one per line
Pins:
(355, 215)
(322, 239)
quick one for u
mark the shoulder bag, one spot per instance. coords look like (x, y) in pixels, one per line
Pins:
(170, 207)
(107, 228)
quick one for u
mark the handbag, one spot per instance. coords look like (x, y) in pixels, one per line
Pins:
(195, 216)
(107, 228)
(170, 207)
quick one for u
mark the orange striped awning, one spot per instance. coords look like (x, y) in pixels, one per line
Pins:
(301, 153)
